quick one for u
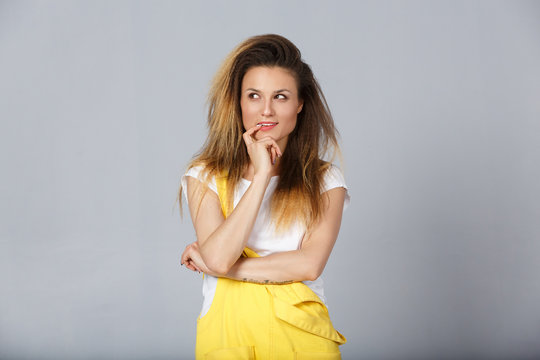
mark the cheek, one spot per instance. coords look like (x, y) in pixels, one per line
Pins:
(291, 126)
(247, 114)
(291, 117)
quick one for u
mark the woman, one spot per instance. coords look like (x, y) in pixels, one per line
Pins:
(266, 209)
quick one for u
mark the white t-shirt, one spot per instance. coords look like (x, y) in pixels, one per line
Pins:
(263, 240)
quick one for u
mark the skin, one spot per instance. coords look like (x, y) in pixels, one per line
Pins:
(269, 94)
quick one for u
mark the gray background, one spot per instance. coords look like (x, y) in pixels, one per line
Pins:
(438, 104)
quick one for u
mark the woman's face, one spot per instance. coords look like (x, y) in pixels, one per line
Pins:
(270, 97)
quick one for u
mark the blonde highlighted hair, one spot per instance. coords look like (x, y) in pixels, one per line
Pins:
(298, 192)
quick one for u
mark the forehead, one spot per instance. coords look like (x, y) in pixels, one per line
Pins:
(266, 78)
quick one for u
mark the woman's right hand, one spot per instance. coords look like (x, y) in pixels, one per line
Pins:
(263, 152)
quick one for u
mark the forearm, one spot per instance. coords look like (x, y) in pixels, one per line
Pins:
(279, 268)
(224, 246)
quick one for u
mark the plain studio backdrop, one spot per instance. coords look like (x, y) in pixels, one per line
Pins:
(102, 105)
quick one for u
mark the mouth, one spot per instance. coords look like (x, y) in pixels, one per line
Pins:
(266, 125)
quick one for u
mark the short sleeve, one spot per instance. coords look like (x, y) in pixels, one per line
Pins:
(196, 173)
(334, 178)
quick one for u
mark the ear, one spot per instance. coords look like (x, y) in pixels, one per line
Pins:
(300, 106)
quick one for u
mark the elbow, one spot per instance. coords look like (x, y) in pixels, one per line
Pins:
(312, 273)
(311, 268)
(218, 267)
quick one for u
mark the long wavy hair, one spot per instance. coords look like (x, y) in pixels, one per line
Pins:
(224, 153)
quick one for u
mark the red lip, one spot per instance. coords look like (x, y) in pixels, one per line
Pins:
(270, 125)
(266, 127)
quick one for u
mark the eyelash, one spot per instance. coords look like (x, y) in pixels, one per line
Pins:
(252, 96)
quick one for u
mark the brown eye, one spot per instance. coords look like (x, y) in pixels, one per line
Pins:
(281, 97)
(253, 95)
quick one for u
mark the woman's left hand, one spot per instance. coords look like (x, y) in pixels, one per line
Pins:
(191, 257)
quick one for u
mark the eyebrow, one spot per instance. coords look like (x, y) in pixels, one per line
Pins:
(275, 92)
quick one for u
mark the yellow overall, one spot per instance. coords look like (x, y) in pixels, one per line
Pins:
(259, 321)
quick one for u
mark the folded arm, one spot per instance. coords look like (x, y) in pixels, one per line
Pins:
(306, 263)
(220, 242)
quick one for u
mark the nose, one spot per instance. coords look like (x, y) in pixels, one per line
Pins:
(268, 109)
